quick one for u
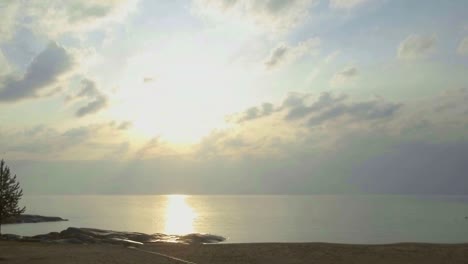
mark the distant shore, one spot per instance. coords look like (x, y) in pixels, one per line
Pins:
(29, 218)
(272, 253)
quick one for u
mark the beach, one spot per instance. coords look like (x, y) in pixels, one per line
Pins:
(273, 253)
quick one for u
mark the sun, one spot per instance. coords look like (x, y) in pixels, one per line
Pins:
(179, 216)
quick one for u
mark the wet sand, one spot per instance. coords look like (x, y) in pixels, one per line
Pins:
(273, 253)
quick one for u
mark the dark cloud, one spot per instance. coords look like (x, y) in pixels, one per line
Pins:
(370, 110)
(124, 125)
(92, 107)
(89, 91)
(264, 110)
(284, 53)
(297, 108)
(326, 107)
(277, 55)
(43, 71)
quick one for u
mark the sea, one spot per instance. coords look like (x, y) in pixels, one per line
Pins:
(357, 219)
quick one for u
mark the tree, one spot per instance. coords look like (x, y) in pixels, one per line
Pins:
(10, 194)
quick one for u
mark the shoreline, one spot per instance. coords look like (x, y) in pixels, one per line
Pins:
(75, 235)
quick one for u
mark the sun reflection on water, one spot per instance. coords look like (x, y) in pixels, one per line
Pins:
(179, 216)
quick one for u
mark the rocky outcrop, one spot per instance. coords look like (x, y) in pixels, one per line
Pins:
(73, 235)
(26, 218)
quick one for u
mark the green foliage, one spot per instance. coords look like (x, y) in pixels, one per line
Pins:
(10, 194)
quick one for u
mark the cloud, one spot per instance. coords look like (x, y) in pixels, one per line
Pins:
(4, 65)
(255, 112)
(271, 14)
(155, 147)
(297, 107)
(224, 143)
(417, 46)
(124, 125)
(326, 107)
(43, 142)
(307, 123)
(277, 55)
(347, 4)
(44, 71)
(463, 47)
(54, 17)
(300, 125)
(284, 53)
(89, 91)
(329, 107)
(8, 12)
(345, 76)
(332, 56)
(357, 111)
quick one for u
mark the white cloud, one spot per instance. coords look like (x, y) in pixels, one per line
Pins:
(332, 56)
(80, 142)
(417, 46)
(346, 4)
(312, 76)
(271, 14)
(8, 12)
(345, 76)
(4, 65)
(284, 53)
(463, 47)
(55, 17)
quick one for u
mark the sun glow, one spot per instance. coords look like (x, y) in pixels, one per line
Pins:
(181, 100)
(179, 216)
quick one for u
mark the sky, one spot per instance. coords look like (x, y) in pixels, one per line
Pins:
(235, 96)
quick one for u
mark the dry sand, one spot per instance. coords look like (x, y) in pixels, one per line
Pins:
(23, 252)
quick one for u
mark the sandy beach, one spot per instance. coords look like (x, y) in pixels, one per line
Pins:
(284, 253)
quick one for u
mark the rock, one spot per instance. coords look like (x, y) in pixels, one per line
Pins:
(73, 235)
(201, 238)
(52, 235)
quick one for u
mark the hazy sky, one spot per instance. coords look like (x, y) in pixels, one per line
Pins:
(235, 96)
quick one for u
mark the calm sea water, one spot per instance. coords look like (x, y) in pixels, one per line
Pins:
(322, 218)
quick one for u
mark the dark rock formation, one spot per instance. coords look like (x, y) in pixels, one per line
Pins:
(26, 218)
(73, 235)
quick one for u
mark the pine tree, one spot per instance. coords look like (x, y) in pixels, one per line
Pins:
(10, 194)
